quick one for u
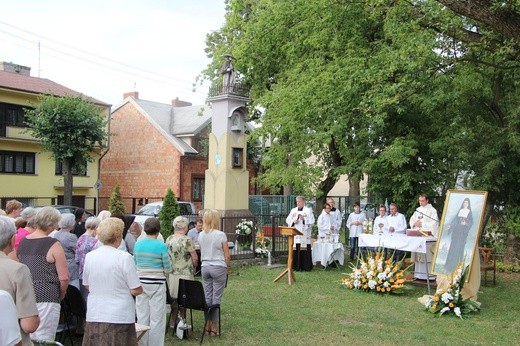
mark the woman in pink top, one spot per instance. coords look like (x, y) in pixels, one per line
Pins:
(26, 216)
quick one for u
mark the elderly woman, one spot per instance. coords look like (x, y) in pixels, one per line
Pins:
(68, 241)
(27, 215)
(153, 263)
(214, 252)
(184, 260)
(86, 243)
(48, 266)
(111, 277)
(13, 208)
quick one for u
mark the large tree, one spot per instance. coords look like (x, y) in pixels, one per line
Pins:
(72, 129)
(328, 76)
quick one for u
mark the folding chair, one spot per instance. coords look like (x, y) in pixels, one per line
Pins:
(335, 258)
(169, 301)
(72, 306)
(191, 296)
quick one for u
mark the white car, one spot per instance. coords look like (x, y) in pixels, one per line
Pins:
(187, 209)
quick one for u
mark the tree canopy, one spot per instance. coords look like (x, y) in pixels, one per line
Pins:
(71, 128)
(417, 96)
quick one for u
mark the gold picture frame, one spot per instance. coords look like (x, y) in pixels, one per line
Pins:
(459, 230)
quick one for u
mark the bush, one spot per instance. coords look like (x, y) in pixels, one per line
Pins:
(169, 211)
(116, 205)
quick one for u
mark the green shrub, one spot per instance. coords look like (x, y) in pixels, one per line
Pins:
(169, 211)
(116, 205)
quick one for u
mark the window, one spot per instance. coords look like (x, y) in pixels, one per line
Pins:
(59, 169)
(237, 158)
(17, 162)
(197, 188)
(12, 115)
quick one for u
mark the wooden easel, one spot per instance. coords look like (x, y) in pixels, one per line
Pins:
(290, 232)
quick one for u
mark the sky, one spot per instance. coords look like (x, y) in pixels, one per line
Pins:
(105, 48)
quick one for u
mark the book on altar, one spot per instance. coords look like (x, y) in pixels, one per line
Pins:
(418, 233)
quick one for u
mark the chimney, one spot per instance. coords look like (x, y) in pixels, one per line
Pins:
(133, 94)
(179, 103)
(14, 68)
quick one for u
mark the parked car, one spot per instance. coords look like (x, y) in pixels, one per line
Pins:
(67, 209)
(187, 209)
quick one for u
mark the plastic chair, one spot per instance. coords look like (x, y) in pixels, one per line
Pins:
(191, 296)
(488, 262)
(72, 307)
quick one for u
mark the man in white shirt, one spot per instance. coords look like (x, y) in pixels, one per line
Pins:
(355, 225)
(326, 221)
(396, 226)
(337, 215)
(302, 218)
(381, 222)
(425, 216)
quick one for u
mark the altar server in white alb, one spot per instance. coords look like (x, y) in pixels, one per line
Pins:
(425, 216)
(326, 221)
(301, 218)
(355, 225)
(381, 222)
(337, 215)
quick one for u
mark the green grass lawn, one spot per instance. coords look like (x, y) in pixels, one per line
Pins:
(316, 310)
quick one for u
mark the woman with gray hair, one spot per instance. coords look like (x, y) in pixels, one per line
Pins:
(27, 215)
(46, 260)
(111, 277)
(184, 261)
(86, 243)
(69, 240)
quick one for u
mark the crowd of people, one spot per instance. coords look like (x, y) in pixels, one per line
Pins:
(121, 269)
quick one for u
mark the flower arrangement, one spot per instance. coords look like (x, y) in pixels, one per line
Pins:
(263, 245)
(449, 301)
(377, 274)
(244, 231)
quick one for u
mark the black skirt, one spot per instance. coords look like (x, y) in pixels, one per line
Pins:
(302, 258)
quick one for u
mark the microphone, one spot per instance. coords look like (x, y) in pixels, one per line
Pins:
(423, 214)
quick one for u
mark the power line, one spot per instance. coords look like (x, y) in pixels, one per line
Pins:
(105, 62)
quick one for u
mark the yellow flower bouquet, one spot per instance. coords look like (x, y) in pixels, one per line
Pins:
(377, 274)
(263, 245)
(449, 301)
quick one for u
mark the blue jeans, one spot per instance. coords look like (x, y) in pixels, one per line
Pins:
(353, 247)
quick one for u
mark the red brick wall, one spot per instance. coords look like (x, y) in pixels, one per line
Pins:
(145, 164)
(140, 159)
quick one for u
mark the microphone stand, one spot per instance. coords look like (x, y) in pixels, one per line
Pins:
(423, 214)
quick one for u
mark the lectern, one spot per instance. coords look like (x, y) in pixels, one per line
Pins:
(290, 232)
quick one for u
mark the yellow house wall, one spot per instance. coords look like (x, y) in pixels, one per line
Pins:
(44, 183)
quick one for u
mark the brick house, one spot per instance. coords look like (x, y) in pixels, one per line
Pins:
(153, 147)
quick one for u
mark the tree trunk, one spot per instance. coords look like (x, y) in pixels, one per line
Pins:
(67, 181)
(353, 187)
(504, 21)
(512, 251)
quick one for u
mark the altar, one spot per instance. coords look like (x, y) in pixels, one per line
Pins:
(420, 245)
(326, 253)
